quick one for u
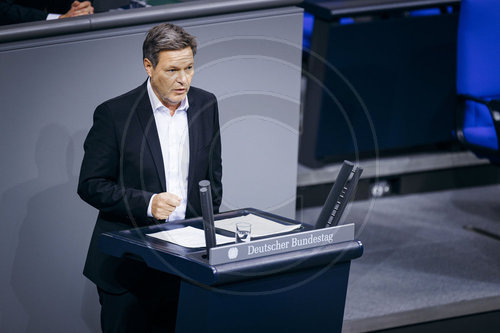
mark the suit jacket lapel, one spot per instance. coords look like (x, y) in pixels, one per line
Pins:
(193, 139)
(147, 121)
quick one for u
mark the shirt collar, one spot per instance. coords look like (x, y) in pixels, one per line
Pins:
(157, 105)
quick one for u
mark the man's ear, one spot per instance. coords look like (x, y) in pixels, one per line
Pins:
(148, 66)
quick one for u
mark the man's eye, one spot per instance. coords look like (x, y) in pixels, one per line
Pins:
(171, 70)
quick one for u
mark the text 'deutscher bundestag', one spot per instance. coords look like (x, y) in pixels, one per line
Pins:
(281, 244)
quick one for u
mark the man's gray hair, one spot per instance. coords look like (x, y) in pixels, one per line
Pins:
(166, 37)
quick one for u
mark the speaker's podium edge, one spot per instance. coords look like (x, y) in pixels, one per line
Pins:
(297, 291)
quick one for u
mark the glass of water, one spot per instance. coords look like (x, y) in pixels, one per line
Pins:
(243, 231)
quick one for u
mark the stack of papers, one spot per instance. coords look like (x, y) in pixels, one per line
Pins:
(189, 237)
(260, 226)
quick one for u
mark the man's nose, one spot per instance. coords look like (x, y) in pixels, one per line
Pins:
(182, 77)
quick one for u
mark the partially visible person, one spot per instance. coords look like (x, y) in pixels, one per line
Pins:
(20, 11)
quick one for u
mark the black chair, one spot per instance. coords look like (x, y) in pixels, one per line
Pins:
(478, 78)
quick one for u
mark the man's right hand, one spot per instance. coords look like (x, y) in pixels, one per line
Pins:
(164, 204)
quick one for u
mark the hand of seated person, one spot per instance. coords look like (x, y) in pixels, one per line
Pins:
(78, 9)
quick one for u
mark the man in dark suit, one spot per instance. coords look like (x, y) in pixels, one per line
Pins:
(144, 156)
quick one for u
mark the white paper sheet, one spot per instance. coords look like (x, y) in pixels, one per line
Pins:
(189, 237)
(260, 226)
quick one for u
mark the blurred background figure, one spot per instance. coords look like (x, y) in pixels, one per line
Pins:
(19, 11)
(107, 5)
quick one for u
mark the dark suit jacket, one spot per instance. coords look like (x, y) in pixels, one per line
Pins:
(19, 11)
(123, 167)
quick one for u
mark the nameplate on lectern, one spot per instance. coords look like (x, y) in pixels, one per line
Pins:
(281, 244)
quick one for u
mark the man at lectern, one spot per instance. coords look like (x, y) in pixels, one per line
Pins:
(144, 156)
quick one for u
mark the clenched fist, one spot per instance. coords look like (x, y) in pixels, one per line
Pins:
(164, 204)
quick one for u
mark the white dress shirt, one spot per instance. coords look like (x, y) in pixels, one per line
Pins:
(174, 142)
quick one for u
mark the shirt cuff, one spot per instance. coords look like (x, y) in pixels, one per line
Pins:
(52, 16)
(149, 206)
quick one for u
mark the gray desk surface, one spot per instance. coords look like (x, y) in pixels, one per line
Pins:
(419, 263)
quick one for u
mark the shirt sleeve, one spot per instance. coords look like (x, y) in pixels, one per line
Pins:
(150, 214)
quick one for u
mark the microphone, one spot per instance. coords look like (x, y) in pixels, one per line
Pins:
(207, 210)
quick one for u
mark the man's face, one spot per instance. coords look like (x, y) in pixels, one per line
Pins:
(171, 77)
